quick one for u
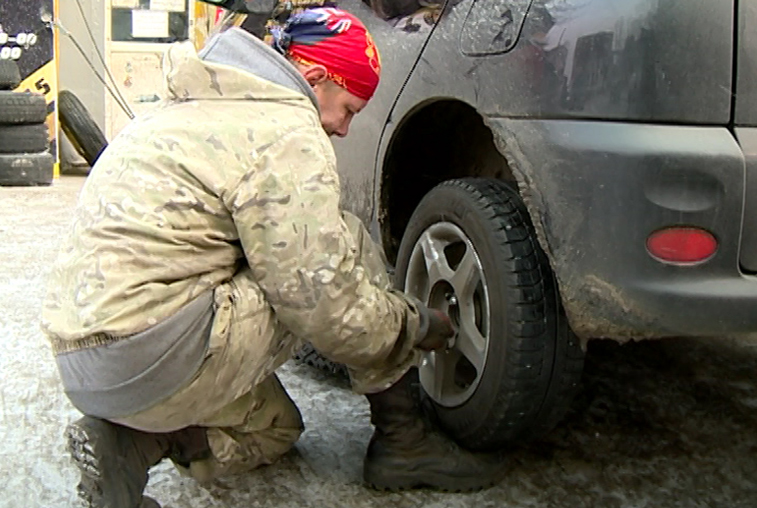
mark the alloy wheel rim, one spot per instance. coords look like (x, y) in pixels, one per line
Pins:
(445, 273)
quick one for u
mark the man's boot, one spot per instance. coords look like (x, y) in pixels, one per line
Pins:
(404, 453)
(114, 460)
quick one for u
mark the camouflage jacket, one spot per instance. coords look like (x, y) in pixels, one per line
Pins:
(232, 170)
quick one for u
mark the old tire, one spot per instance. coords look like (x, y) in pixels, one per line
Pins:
(80, 127)
(24, 138)
(26, 170)
(10, 77)
(22, 108)
(515, 365)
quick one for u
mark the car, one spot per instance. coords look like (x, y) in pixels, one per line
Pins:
(554, 171)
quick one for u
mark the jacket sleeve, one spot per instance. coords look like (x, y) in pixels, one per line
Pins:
(308, 261)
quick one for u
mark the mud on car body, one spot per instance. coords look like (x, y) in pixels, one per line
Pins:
(551, 172)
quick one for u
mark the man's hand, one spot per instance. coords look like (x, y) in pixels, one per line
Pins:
(438, 330)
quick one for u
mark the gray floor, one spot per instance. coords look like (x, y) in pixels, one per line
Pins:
(664, 424)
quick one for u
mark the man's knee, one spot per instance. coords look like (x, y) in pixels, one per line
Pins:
(266, 424)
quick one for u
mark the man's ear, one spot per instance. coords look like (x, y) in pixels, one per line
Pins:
(315, 74)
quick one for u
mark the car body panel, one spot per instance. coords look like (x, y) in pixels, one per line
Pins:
(597, 190)
(614, 118)
(644, 60)
(747, 138)
(357, 153)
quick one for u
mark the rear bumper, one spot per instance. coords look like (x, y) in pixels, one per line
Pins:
(596, 190)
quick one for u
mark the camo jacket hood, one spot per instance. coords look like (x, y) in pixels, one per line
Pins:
(229, 63)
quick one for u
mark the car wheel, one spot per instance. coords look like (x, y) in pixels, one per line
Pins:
(471, 250)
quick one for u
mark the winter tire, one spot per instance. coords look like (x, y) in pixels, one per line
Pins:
(24, 138)
(26, 170)
(10, 77)
(471, 250)
(80, 127)
(22, 108)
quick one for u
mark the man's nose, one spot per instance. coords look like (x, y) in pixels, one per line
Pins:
(344, 128)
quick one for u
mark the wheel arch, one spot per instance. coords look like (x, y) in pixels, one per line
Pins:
(437, 140)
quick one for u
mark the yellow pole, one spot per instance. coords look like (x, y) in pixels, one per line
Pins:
(56, 53)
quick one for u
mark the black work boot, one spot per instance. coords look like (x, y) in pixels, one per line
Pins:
(114, 462)
(405, 453)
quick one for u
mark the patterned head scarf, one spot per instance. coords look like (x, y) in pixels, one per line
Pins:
(335, 39)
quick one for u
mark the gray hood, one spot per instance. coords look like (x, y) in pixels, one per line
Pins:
(237, 48)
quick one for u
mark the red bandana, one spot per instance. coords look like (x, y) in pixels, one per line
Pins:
(340, 42)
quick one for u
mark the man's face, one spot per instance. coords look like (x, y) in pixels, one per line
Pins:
(337, 105)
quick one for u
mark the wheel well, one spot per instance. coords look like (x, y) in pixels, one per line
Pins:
(442, 140)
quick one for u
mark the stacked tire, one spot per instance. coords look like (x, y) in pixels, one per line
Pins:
(25, 158)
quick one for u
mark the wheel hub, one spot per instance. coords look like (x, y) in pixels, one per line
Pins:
(453, 311)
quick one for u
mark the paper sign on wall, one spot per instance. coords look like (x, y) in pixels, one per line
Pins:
(124, 4)
(149, 24)
(168, 5)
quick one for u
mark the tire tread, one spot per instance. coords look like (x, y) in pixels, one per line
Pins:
(541, 373)
(22, 108)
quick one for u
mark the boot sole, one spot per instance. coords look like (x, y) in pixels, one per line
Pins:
(81, 449)
(395, 481)
(81, 446)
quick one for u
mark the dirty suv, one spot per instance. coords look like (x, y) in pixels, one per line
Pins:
(550, 172)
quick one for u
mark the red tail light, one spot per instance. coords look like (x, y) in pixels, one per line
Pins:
(682, 245)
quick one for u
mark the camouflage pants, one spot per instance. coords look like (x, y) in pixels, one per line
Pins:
(250, 418)
(254, 430)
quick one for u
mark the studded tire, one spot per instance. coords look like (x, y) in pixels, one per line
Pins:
(533, 361)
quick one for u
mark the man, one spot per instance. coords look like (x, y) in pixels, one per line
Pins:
(207, 244)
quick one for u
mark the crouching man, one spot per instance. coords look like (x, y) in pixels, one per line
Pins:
(207, 245)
